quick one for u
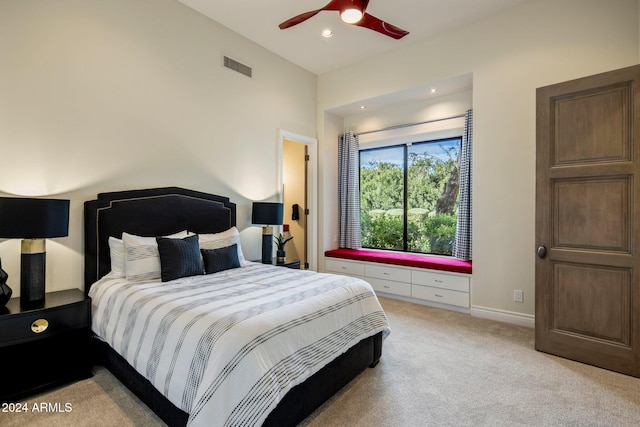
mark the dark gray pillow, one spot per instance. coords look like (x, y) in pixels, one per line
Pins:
(179, 257)
(220, 259)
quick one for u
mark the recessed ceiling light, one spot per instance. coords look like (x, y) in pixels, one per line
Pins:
(327, 33)
(363, 107)
(433, 90)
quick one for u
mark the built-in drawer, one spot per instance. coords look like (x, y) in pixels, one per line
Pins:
(443, 296)
(440, 280)
(344, 267)
(387, 273)
(390, 287)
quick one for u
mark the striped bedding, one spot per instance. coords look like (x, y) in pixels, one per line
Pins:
(226, 347)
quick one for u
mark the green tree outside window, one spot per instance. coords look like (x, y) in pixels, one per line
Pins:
(409, 196)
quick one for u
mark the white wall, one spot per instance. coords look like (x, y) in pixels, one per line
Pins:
(509, 55)
(123, 94)
(429, 118)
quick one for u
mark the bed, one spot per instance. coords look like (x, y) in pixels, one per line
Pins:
(288, 377)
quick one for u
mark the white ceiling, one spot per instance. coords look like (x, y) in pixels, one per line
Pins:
(303, 44)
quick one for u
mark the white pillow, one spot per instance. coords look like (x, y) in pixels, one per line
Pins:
(142, 259)
(222, 240)
(116, 249)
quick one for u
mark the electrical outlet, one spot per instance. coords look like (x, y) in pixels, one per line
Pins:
(518, 296)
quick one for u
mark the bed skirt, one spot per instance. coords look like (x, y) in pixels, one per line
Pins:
(296, 405)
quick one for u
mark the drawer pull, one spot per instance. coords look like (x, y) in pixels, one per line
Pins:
(39, 326)
(439, 296)
(386, 287)
(438, 281)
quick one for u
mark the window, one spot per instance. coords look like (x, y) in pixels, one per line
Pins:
(409, 196)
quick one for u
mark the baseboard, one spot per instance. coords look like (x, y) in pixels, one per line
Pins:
(527, 320)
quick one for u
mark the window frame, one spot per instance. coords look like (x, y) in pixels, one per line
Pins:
(405, 196)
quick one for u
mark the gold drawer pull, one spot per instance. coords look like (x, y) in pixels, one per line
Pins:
(39, 326)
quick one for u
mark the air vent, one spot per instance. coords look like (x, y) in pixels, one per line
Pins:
(234, 65)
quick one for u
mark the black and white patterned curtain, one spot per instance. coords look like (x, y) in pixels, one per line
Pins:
(462, 244)
(348, 192)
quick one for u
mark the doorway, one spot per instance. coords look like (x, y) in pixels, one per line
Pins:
(294, 197)
(297, 156)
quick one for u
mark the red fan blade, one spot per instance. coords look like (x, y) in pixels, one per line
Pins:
(333, 5)
(375, 24)
(298, 19)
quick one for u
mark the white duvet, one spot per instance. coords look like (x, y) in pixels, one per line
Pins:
(226, 347)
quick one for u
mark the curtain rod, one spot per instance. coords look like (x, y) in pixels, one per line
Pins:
(409, 125)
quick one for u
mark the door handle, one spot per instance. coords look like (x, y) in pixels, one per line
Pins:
(542, 252)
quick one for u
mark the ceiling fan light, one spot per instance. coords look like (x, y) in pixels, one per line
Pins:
(351, 15)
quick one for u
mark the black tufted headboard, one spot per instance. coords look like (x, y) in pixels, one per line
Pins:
(150, 212)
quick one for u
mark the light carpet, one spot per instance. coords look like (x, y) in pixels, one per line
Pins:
(438, 368)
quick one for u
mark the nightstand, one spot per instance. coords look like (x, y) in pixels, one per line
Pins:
(289, 264)
(46, 345)
(295, 264)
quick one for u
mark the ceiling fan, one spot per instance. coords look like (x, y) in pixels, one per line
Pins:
(351, 12)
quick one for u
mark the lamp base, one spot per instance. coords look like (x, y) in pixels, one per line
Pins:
(32, 272)
(267, 245)
(5, 290)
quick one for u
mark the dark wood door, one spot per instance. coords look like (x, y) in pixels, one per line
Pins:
(587, 220)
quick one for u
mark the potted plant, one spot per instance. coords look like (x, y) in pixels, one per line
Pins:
(280, 252)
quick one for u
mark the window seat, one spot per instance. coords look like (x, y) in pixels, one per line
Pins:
(403, 258)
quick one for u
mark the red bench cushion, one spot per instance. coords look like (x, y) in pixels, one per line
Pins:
(403, 258)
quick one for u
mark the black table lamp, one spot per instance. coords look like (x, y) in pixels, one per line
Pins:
(33, 220)
(267, 214)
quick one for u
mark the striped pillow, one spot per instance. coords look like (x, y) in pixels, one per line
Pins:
(221, 240)
(142, 259)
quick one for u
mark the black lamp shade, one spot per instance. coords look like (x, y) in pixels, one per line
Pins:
(29, 218)
(267, 213)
